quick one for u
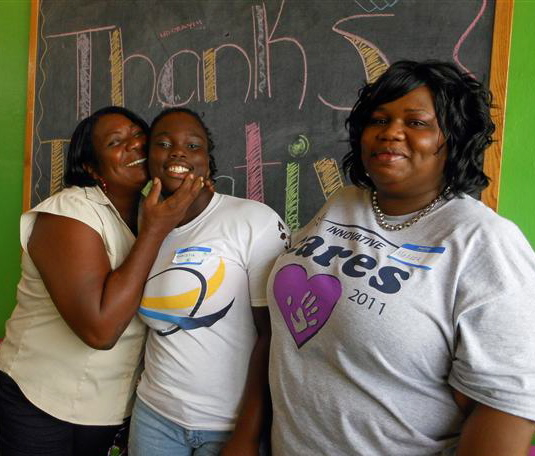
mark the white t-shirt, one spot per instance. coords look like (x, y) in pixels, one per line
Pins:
(372, 329)
(199, 294)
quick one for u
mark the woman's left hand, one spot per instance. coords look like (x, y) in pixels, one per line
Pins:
(240, 447)
(491, 432)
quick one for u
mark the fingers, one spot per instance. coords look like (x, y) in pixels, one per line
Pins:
(199, 183)
(154, 193)
(190, 185)
(210, 185)
(160, 216)
(187, 192)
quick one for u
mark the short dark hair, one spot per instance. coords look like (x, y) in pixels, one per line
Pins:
(462, 105)
(81, 151)
(211, 146)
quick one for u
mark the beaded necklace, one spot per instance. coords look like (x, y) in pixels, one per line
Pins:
(380, 216)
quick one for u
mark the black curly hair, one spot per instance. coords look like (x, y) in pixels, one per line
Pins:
(211, 146)
(462, 105)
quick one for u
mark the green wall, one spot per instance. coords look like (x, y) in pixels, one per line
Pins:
(14, 27)
(517, 187)
(518, 171)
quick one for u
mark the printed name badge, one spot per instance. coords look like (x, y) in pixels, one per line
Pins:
(191, 255)
(419, 256)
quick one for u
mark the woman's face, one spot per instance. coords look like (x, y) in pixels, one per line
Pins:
(178, 147)
(403, 148)
(119, 146)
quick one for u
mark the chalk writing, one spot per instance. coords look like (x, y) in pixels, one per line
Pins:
(83, 45)
(290, 67)
(253, 157)
(223, 179)
(180, 28)
(166, 82)
(373, 5)
(260, 49)
(247, 60)
(272, 40)
(291, 213)
(144, 58)
(83, 66)
(210, 90)
(56, 165)
(465, 35)
(116, 67)
(375, 62)
(329, 176)
(299, 147)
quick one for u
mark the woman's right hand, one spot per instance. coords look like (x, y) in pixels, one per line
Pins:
(158, 216)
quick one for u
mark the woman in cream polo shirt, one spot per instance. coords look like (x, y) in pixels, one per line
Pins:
(70, 359)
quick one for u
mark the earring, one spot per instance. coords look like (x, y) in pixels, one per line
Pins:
(103, 185)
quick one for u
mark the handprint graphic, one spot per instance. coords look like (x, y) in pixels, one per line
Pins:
(305, 304)
(302, 320)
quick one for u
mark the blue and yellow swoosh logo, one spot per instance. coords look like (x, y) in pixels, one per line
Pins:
(189, 298)
(152, 306)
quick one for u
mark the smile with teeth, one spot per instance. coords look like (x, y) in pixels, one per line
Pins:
(177, 169)
(136, 162)
(388, 156)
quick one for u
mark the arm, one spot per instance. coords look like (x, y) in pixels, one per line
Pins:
(255, 406)
(493, 360)
(96, 302)
(491, 432)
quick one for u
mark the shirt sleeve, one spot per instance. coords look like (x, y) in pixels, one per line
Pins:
(494, 323)
(71, 204)
(268, 243)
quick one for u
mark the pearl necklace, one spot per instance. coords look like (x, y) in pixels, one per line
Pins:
(380, 216)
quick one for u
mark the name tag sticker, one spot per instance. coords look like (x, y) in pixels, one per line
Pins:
(191, 255)
(419, 256)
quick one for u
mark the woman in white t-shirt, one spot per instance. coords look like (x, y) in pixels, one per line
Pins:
(204, 389)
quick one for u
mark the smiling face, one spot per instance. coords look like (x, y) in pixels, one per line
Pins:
(119, 147)
(403, 148)
(178, 147)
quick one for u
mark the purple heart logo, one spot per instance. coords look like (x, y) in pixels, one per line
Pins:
(306, 304)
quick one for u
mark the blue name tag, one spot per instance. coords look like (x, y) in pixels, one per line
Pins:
(191, 255)
(419, 256)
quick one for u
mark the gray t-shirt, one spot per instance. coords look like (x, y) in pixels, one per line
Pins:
(372, 328)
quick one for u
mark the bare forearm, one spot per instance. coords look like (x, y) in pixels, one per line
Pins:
(123, 290)
(114, 297)
(253, 411)
(245, 440)
(490, 432)
(95, 301)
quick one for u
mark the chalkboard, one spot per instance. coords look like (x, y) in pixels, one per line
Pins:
(274, 80)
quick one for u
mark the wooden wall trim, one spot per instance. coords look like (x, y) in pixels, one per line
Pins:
(30, 103)
(499, 72)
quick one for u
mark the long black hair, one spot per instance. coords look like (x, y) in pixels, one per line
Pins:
(211, 146)
(81, 152)
(462, 105)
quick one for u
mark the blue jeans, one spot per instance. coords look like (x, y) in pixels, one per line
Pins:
(151, 434)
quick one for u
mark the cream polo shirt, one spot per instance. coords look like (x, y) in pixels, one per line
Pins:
(55, 370)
